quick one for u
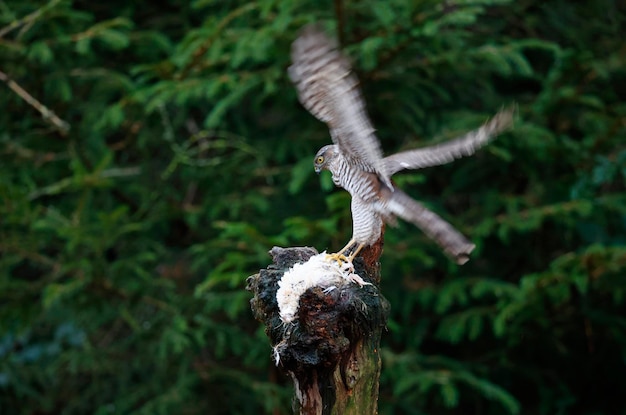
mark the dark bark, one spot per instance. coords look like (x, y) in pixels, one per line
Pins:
(331, 348)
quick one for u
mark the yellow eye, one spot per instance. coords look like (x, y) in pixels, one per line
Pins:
(319, 160)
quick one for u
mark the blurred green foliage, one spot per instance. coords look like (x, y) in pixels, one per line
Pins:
(125, 241)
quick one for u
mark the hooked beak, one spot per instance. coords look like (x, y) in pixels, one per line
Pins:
(317, 170)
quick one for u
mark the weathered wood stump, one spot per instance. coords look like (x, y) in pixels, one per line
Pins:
(331, 347)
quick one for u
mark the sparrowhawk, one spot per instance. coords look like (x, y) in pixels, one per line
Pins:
(328, 89)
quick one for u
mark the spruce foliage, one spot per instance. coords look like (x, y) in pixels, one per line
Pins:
(151, 153)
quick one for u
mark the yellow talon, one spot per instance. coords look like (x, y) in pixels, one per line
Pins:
(341, 255)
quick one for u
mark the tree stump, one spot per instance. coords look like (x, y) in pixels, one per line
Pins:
(331, 347)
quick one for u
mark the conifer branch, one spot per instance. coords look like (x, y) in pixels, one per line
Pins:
(47, 114)
(27, 20)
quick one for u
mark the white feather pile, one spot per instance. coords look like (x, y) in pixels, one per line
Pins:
(318, 271)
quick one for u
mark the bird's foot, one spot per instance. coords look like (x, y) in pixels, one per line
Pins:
(347, 269)
(339, 257)
(356, 279)
(329, 289)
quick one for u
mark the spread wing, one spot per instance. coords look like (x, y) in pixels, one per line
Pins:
(446, 152)
(328, 89)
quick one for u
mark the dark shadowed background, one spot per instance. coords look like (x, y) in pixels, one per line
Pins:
(126, 239)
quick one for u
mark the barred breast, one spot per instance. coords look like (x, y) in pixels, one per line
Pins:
(362, 184)
(366, 223)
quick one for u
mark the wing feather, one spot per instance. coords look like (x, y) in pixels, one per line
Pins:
(463, 146)
(329, 90)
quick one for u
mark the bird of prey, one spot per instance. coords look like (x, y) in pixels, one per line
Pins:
(328, 89)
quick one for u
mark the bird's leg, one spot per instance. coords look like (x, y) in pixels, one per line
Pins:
(346, 248)
(355, 252)
(341, 255)
(351, 249)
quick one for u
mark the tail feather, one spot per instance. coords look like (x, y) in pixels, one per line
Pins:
(445, 235)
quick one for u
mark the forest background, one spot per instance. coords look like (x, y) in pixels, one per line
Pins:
(153, 152)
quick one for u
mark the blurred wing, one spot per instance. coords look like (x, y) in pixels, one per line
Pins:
(328, 89)
(453, 243)
(446, 152)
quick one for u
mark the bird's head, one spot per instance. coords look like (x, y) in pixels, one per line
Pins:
(323, 157)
